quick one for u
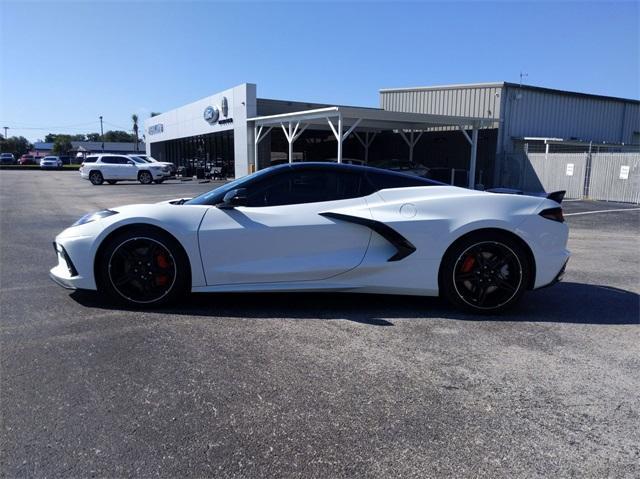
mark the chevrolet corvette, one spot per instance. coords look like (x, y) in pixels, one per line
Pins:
(321, 227)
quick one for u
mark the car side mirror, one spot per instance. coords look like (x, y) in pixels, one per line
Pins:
(233, 198)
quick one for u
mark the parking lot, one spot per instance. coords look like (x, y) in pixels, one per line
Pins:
(313, 385)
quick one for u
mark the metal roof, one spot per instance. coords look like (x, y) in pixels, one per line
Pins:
(506, 84)
(372, 118)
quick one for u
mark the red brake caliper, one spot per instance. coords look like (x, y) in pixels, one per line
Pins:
(468, 264)
(162, 279)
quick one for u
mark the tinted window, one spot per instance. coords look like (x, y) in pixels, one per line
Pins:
(381, 180)
(305, 186)
(91, 159)
(115, 160)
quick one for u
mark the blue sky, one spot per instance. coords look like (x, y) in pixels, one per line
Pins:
(64, 64)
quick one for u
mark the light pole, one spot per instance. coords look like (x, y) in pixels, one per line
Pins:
(5, 131)
(101, 134)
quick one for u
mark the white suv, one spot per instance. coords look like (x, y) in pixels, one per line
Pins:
(112, 168)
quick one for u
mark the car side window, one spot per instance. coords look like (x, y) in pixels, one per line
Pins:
(382, 180)
(305, 186)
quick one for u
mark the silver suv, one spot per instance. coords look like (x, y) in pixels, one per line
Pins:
(112, 168)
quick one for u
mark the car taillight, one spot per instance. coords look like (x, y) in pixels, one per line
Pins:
(554, 214)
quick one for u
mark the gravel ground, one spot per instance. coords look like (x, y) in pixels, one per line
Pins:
(312, 385)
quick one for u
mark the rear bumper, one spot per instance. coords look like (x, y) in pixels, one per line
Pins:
(558, 277)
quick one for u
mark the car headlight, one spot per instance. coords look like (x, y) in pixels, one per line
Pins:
(89, 217)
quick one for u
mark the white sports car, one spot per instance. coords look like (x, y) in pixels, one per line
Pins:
(321, 227)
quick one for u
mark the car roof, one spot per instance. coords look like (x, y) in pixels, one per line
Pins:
(362, 169)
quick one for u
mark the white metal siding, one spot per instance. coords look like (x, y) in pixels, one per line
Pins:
(481, 102)
(546, 114)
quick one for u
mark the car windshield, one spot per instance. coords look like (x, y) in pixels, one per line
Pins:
(215, 196)
(137, 160)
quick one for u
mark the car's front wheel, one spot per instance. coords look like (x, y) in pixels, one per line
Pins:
(145, 178)
(485, 273)
(143, 267)
(96, 178)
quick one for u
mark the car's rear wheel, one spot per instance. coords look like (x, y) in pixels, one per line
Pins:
(485, 273)
(143, 267)
(112, 182)
(95, 177)
(145, 178)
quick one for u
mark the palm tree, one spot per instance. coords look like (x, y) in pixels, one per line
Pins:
(134, 119)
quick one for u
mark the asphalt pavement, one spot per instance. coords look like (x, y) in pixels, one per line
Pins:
(312, 385)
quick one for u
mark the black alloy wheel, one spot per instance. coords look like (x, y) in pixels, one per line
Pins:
(485, 275)
(95, 177)
(143, 267)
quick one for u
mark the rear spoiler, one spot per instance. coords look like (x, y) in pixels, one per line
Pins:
(556, 196)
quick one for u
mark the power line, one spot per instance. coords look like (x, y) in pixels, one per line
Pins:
(22, 126)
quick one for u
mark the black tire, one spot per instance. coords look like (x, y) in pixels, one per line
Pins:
(143, 267)
(158, 182)
(485, 273)
(145, 177)
(112, 182)
(96, 178)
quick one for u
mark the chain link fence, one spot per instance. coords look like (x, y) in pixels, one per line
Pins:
(585, 171)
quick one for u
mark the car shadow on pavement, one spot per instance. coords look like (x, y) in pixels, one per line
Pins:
(564, 303)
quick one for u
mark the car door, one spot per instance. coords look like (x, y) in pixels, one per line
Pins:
(109, 167)
(281, 236)
(127, 169)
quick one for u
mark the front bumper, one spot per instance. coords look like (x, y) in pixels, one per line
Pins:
(72, 272)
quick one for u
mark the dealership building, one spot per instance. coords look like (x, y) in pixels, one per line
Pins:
(463, 134)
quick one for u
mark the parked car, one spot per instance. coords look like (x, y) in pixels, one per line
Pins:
(7, 159)
(27, 160)
(50, 162)
(113, 168)
(324, 227)
(150, 159)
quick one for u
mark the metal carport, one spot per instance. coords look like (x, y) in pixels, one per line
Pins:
(345, 120)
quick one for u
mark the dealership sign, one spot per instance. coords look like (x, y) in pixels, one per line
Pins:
(155, 129)
(211, 114)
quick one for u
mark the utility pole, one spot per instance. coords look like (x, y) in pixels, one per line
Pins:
(101, 134)
(5, 131)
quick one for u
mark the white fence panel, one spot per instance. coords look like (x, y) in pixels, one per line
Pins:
(557, 171)
(615, 177)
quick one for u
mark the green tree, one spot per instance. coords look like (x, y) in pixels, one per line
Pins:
(134, 119)
(62, 145)
(119, 136)
(18, 145)
(93, 136)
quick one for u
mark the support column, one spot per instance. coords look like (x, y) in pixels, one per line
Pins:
(290, 138)
(339, 139)
(366, 143)
(259, 136)
(411, 142)
(474, 154)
